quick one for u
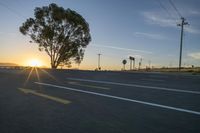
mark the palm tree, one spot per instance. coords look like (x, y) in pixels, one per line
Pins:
(124, 63)
(132, 60)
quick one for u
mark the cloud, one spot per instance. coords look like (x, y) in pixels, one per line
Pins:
(194, 12)
(163, 21)
(156, 18)
(119, 48)
(150, 35)
(195, 55)
(190, 29)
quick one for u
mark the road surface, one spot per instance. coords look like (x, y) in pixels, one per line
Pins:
(66, 101)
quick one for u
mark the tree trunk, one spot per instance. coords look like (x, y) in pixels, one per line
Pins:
(53, 66)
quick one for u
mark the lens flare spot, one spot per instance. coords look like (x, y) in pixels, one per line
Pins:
(34, 63)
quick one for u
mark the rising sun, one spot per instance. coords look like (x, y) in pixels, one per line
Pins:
(34, 63)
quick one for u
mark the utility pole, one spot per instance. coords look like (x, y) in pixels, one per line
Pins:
(140, 63)
(99, 68)
(149, 64)
(181, 41)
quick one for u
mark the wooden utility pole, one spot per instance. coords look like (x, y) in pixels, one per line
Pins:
(99, 67)
(181, 41)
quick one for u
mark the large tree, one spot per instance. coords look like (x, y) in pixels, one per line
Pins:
(62, 33)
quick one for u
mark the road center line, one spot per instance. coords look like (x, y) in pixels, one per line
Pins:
(136, 85)
(121, 98)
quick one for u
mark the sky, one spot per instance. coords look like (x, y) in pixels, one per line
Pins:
(144, 29)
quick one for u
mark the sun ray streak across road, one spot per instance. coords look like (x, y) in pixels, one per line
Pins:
(29, 75)
(26, 91)
(37, 74)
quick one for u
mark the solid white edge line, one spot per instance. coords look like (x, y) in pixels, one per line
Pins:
(121, 98)
(136, 85)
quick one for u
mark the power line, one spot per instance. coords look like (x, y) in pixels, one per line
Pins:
(170, 15)
(183, 22)
(173, 5)
(164, 8)
(12, 10)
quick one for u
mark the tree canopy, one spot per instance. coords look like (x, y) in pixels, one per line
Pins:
(62, 33)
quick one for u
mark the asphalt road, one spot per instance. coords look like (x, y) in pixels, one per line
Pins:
(63, 101)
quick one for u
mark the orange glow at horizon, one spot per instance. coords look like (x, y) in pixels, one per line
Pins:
(34, 63)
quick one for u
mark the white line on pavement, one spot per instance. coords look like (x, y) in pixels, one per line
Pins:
(136, 85)
(121, 98)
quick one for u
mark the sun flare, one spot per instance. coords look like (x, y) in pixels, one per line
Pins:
(34, 63)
